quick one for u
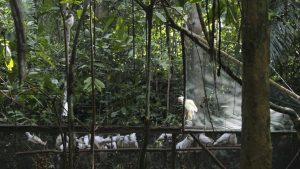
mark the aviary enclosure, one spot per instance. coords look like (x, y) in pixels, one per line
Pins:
(127, 84)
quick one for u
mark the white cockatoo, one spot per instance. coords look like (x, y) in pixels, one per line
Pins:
(185, 143)
(120, 142)
(133, 141)
(190, 108)
(205, 140)
(69, 21)
(59, 142)
(61, 147)
(165, 136)
(86, 139)
(34, 139)
(100, 142)
(111, 145)
(226, 139)
(115, 138)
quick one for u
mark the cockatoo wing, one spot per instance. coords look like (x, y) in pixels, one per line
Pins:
(34, 139)
(86, 140)
(205, 140)
(185, 143)
(224, 139)
(164, 136)
(233, 139)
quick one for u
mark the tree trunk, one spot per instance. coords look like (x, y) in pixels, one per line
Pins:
(194, 59)
(256, 142)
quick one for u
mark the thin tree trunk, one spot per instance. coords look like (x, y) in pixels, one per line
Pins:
(21, 39)
(256, 150)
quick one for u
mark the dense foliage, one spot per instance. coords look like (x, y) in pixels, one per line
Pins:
(120, 59)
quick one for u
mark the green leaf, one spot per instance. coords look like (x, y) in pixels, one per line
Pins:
(87, 84)
(79, 13)
(99, 85)
(178, 9)
(161, 17)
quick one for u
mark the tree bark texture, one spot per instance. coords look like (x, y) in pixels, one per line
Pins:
(194, 60)
(256, 142)
(21, 39)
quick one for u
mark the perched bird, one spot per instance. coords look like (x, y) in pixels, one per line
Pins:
(34, 139)
(120, 142)
(226, 139)
(165, 136)
(115, 138)
(185, 143)
(59, 142)
(190, 108)
(86, 139)
(205, 140)
(69, 20)
(100, 142)
(133, 141)
(61, 147)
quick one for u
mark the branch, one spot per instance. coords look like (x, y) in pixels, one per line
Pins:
(51, 151)
(205, 32)
(143, 6)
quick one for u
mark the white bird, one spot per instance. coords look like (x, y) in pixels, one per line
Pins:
(34, 139)
(205, 140)
(82, 146)
(133, 141)
(185, 143)
(226, 139)
(86, 139)
(165, 136)
(59, 142)
(190, 108)
(126, 141)
(69, 20)
(115, 138)
(120, 142)
(111, 145)
(61, 147)
(100, 142)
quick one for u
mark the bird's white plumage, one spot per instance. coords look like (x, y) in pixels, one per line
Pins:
(227, 139)
(69, 20)
(133, 141)
(185, 143)
(61, 147)
(165, 136)
(190, 108)
(34, 139)
(59, 141)
(205, 140)
(127, 141)
(86, 139)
